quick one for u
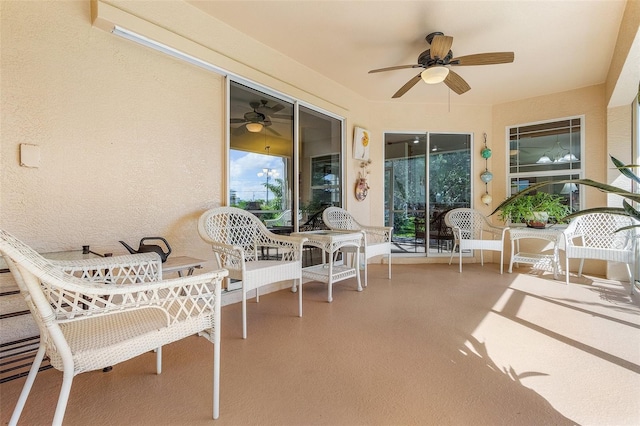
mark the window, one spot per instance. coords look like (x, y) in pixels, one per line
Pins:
(547, 151)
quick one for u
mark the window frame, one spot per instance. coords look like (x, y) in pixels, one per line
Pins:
(561, 172)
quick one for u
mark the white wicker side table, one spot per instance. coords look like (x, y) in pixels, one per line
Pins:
(547, 261)
(330, 242)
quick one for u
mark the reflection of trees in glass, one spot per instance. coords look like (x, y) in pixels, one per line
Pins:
(449, 179)
(277, 189)
(325, 184)
(408, 192)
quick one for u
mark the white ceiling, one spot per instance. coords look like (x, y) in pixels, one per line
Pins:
(559, 45)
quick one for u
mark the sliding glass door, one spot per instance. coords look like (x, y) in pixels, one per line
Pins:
(276, 168)
(261, 155)
(426, 175)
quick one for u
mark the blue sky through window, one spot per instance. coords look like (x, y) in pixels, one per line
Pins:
(243, 173)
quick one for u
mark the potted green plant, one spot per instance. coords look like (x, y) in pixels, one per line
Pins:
(627, 208)
(535, 210)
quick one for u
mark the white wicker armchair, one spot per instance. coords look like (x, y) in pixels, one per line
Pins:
(594, 236)
(377, 239)
(101, 320)
(473, 231)
(239, 239)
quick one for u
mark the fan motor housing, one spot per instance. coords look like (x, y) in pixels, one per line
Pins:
(426, 61)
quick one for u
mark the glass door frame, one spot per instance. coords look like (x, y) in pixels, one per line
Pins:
(295, 137)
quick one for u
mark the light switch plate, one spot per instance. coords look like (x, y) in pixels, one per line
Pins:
(29, 155)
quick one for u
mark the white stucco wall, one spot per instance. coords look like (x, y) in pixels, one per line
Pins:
(130, 139)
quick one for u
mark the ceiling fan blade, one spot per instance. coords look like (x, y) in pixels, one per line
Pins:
(456, 83)
(239, 131)
(440, 46)
(484, 59)
(283, 116)
(237, 120)
(276, 108)
(408, 85)
(398, 67)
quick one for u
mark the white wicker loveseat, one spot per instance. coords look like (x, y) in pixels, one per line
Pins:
(377, 239)
(251, 253)
(596, 236)
(109, 310)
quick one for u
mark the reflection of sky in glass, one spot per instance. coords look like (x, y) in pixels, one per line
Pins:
(244, 169)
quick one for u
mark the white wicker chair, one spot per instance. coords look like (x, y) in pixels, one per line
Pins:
(89, 325)
(238, 239)
(377, 239)
(473, 231)
(594, 236)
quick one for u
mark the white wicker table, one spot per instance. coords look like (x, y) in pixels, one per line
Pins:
(330, 242)
(543, 261)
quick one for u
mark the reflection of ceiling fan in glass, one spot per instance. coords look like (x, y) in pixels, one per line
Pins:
(258, 119)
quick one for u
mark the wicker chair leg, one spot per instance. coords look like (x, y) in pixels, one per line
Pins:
(299, 296)
(216, 379)
(453, 250)
(581, 265)
(65, 390)
(159, 360)
(27, 386)
(366, 272)
(244, 314)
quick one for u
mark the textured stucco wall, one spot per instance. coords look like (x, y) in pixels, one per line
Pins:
(130, 139)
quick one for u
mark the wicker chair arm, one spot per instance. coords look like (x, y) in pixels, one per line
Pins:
(73, 298)
(235, 252)
(131, 268)
(286, 240)
(572, 231)
(497, 230)
(378, 234)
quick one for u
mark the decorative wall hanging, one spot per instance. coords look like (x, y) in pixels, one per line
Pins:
(486, 176)
(361, 144)
(362, 186)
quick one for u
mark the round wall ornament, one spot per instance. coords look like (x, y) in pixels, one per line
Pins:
(486, 176)
(486, 153)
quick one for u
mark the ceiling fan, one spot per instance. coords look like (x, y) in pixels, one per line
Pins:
(260, 117)
(437, 61)
(254, 121)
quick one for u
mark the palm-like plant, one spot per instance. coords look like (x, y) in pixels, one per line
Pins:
(627, 208)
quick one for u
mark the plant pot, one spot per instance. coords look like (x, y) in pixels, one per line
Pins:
(537, 220)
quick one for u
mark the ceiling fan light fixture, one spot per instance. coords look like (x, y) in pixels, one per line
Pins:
(254, 127)
(435, 75)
